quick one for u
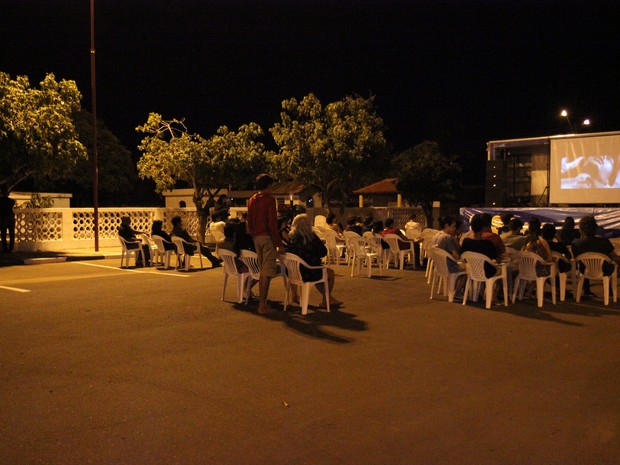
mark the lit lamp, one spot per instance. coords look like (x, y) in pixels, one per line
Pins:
(564, 114)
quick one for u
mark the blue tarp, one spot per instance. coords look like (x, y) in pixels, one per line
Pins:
(607, 218)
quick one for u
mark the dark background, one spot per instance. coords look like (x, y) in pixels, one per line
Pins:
(460, 72)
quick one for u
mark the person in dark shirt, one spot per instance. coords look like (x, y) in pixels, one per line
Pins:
(549, 234)
(505, 217)
(157, 230)
(589, 242)
(130, 235)
(568, 233)
(476, 243)
(193, 245)
(352, 225)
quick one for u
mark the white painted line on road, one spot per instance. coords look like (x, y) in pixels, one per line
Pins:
(158, 273)
(16, 289)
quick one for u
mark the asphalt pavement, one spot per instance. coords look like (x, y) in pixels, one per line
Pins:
(103, 365)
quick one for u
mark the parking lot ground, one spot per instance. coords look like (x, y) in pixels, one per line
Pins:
(142, 366)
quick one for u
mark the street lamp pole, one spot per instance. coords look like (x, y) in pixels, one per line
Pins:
(95, 159)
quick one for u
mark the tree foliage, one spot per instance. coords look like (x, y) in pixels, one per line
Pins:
(170, 154)
(332, 147)
(37, 135)
(117, 178)
(426, 175)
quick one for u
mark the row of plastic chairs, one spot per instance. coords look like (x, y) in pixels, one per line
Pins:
(292, 277)
(526, 263)
(159, 252)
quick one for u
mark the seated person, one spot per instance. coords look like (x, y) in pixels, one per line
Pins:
(549, 234)
(307, 245)
(377, 229)
(367, 224)
(412, 228)
(129, 234)
(284, 229)
(404, 243)
(353, 226)
(445, 240)
(476, 243)
(589, 242)
(489, 235)
(535, 243)
(332, 224)
(568, 233)
(220, 206)
(243, 239)
(513, 238)
(218, 223)
(505, 217)
(190, 248)
(157, 230)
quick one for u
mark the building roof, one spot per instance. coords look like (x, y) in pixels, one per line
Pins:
(385, 186)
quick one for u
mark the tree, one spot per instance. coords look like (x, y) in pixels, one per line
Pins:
(37, 134)
(171, 154)
(117, 177)
(426, 175)
(333, 147)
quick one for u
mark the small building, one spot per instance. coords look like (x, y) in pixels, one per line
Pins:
(380, 194)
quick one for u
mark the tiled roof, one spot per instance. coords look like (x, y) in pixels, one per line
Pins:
(385, 186)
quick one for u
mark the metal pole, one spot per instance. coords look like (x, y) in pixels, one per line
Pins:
(95, 159)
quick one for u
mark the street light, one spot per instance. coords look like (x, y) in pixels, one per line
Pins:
(564, 114)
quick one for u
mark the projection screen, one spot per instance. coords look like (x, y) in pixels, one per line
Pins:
(584, 170)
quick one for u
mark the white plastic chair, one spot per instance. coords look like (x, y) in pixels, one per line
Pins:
(362, 253)
(126, 251)
(397, 254)
(347, 235)
(334, 248)
(182, 257)
(230, 269)
(563, 276)
(475, 275)
(593, 271)
(526, 262)
(293, 264)
(442, 273)
(162, 252)
(250, 258)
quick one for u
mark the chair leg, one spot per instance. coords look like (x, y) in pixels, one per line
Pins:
(579, 289)
(614, 286)
(540, 291)
(606, 289)
(563, 280)
(488, 295)
(224, 288)
(466, 292)
(305, 297)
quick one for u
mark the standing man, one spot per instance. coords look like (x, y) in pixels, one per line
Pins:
(7, 220)
(263, 226)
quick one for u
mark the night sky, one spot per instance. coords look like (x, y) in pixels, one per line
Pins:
(462, 72)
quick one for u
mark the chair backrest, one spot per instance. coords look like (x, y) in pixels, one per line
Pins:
(428, 234)
(558, 257)
(475, 265)
(359, 245)
(159, 242)
(293, 264)
(178, 242)
(319, 232)
(440, 258)
(348, 234)
(392, 240)
(250, 259)
(228, 257)
(320, 220)
(527, 263)
(330, 237)
(217, 235)
(593, 263)
(413, 233)
(124, 242)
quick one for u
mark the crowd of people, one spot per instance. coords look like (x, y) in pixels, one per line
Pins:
(263, 231)
(537, 238)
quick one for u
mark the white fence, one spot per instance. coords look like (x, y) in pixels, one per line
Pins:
(57, 229)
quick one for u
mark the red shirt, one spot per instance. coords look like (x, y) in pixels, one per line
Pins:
(262, 217)
(496, 240)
